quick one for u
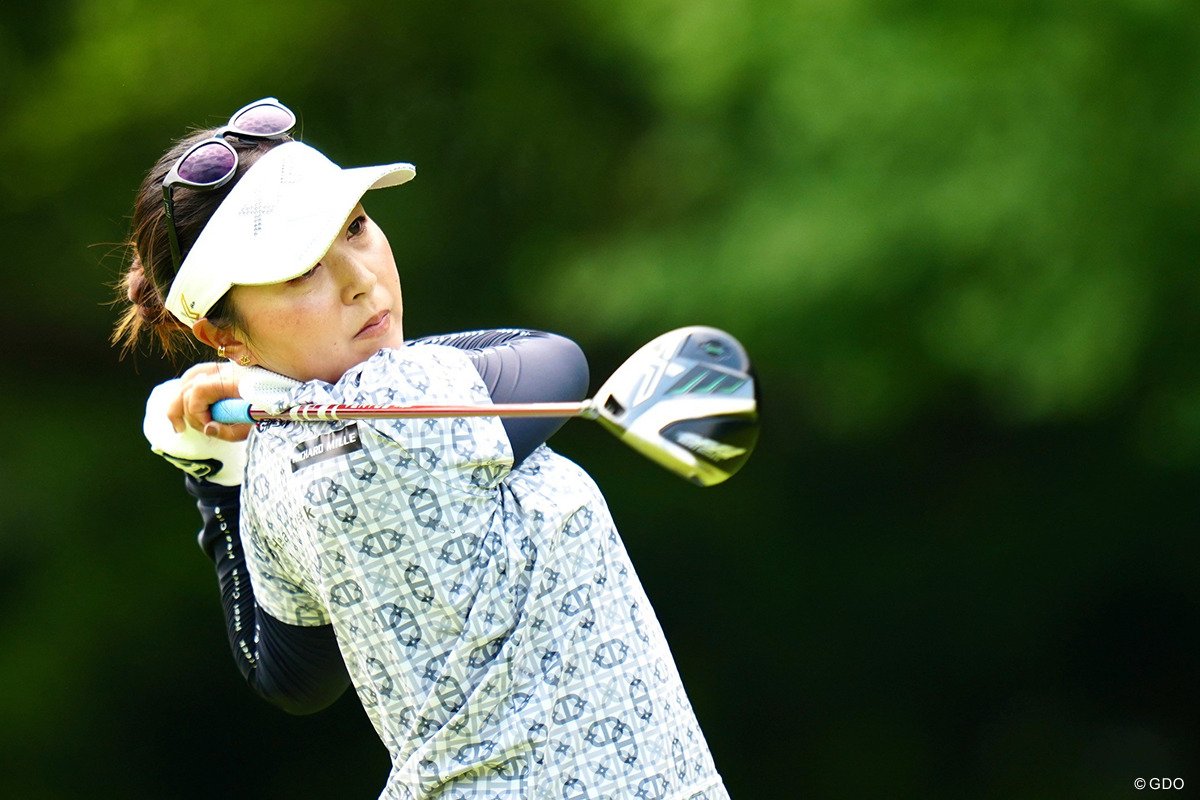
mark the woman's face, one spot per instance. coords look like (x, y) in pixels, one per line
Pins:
(338, 314)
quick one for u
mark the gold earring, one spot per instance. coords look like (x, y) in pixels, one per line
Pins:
(244, 361)
(220, 351)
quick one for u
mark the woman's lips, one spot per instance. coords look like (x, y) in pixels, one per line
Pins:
(376, 326)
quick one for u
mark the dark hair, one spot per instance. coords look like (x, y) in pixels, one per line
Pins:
(147, 278)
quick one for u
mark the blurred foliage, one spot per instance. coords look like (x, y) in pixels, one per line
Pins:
(958, 239)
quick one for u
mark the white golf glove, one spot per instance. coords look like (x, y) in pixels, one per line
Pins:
(264, 388)
(200, 456)
(207, 457)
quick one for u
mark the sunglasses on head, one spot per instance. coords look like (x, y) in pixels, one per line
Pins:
(210, 164)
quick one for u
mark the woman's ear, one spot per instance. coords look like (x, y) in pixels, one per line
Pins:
(223, 340)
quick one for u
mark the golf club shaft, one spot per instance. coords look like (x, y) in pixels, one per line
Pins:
(233, 411)
(686, 400)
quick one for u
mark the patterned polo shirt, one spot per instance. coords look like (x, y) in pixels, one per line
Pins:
(490, 618)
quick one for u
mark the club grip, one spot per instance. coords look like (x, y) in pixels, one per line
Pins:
(231, 411)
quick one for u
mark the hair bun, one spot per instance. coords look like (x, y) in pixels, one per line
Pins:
(142, 292)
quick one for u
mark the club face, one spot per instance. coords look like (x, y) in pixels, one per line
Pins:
(688, 401)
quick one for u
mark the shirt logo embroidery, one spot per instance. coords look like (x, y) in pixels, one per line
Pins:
(325, 446)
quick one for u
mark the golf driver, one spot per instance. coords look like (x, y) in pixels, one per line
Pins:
(687, 400)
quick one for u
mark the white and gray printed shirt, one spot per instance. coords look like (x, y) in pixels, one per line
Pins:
(491, 621)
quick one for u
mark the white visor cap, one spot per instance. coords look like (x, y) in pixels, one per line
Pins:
(276, 223)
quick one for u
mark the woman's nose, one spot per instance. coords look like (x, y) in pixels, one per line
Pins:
(357, 278)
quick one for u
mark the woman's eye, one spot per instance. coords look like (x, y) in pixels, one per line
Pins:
(305, 276)
(356, 227)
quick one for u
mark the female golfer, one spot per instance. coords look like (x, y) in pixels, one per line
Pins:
(467, 580)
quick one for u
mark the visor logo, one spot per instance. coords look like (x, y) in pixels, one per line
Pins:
(187, 308)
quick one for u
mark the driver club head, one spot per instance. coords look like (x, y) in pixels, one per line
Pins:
(687, 400)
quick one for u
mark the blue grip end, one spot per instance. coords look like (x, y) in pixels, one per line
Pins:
(231, 411)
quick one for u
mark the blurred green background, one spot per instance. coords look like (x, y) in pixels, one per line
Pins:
(959, 240)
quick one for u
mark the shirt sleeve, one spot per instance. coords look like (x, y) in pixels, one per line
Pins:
(466, 456)
(523, 366)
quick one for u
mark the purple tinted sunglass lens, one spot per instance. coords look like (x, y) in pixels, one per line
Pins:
(264, 120)
(208, 163)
